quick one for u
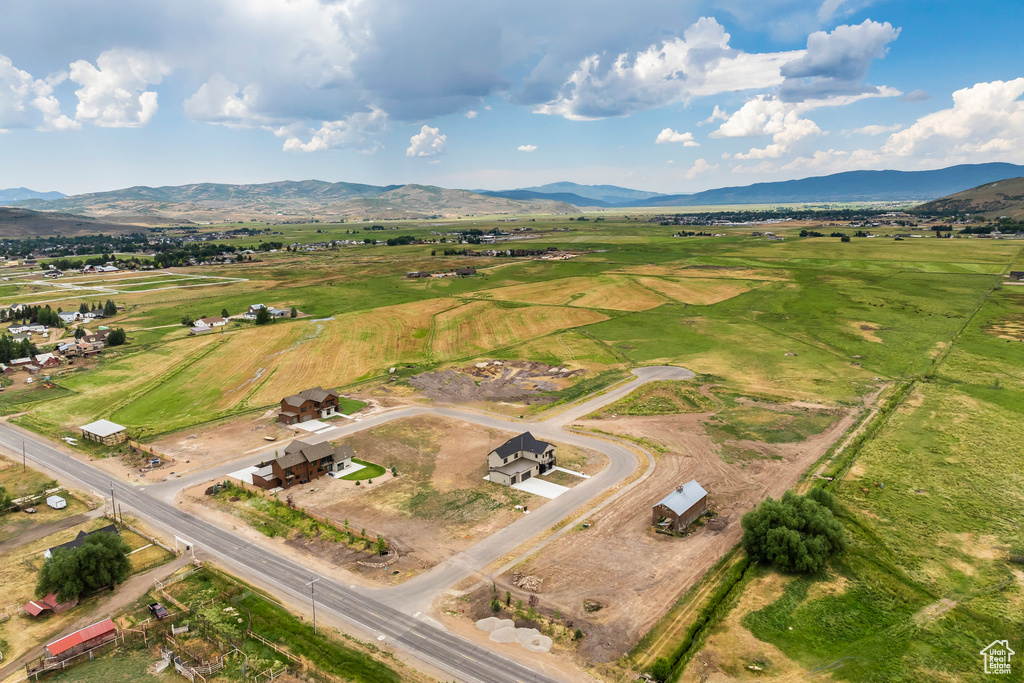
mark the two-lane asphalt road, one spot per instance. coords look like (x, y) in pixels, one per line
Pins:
(390, 612)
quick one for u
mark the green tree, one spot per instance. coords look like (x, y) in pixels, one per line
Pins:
(263, 316)
(117, 337)
(794, 534)
(382, 545)
(109, 308)
(186, 321)
(79, 333)
(5, 499)
(844, 238)
(224, 313)
(661, 669)
(295, 312)
(101, 561)
(83, 308)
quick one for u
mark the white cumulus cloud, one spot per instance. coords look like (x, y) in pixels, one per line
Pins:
(27, 102)
(427, 143)
(471, 114)
(114, 92)
(527, 148)
(700, 166)
(698, 64)
(668, 135)
(354, 130)
(221, 101)
(986, 118)
(876, 129)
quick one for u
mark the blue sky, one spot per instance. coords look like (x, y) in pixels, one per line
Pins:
(665, 95)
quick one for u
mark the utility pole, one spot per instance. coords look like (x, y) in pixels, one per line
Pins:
(113, 507)
(24, 465)
(312, 597)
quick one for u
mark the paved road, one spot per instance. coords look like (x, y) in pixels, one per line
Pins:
(388, 612)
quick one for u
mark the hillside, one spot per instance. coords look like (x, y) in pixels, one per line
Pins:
(287, 200)
(1001, 198)
(17, 222)
(568, 197)
(851, 186)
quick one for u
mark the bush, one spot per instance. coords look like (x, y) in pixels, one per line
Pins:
(795, 534)
(661, 669)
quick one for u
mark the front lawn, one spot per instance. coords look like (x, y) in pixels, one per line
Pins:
(369, 471)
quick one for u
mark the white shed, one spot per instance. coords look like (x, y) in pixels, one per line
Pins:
(56, 502)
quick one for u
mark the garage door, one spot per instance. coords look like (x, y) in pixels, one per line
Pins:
(526, 475)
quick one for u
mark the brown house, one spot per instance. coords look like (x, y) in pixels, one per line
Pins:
(681, 508)
(311, 404)
(301, 464)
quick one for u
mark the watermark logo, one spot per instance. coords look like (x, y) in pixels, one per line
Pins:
(997, 657)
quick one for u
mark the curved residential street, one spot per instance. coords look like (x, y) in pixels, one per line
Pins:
(393, 612)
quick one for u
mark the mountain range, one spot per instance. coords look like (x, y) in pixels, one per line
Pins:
(17, 194)
(992, 200)
(289, 200)
(303, 200)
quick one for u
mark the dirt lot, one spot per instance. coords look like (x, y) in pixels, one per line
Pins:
(635, 574)
(494, 380)
(438, 505)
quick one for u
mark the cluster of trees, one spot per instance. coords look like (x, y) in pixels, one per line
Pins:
(117, 337)
(401, 240)
(44, 315)
(73, 246)
(10, 349)
(101, 561)
(794, 534)
(108, 309)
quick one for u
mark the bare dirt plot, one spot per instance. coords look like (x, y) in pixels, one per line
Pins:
(495, 381)
(698, 291)
(1011, 327)
(632, 572)
(439, 504)
(867, 331)
(481, 326)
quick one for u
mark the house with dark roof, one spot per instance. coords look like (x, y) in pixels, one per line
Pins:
(302, 463)
(1016, 275)
(520, 458)
(681, 508)
(311, 404)
(80, 539)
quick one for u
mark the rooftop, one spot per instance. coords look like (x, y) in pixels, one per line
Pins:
(684, 497)
(103, 428)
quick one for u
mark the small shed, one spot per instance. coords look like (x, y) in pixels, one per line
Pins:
(56, 502)
(681, 508)
(105, 432)
(82, 640)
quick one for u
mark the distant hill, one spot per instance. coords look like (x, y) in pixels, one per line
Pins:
(851, 186)
(613, 195)
(18, 194)
(568, 197)
(289, 200)
(993, 200)
(17, 222)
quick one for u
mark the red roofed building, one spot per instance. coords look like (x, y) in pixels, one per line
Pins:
(37, 607)
(82, 640)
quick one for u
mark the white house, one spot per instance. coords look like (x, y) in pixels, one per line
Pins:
(69, 317)
(210, 322)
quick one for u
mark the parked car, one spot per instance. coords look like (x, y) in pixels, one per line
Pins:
(158, 611)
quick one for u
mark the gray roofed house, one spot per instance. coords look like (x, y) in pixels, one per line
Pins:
(302, 463)
(520, 458)
(681, 508)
